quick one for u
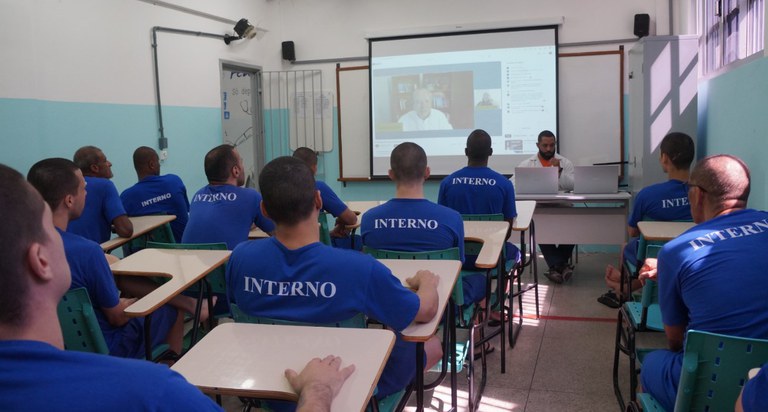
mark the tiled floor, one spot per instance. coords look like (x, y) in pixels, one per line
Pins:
(561, 362)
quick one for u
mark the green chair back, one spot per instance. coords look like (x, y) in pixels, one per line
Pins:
(79, 324)
(357, 321)
(714, 370)
(162, 234)
(492, 217)
(325, 233)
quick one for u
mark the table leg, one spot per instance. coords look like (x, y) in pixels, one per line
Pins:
(420, 376)
(148, 337)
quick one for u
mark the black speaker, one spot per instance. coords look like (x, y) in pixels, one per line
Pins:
(289, 53)
(642, 25)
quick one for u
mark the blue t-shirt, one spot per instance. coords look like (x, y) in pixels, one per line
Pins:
(667, 201)
(755, 395)
(156, 195)
(331, 203)
(310, 284)
(224, 213)
(694, 268)
(711, 278)
(90, 270)
(478, 190)
(102, 206)
(412, 225)
(36, 376)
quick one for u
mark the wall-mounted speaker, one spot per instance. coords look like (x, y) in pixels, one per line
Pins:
(289, 52)
(642, 25)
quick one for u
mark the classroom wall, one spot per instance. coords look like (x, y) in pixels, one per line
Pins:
(732, 120)
(78, 72)
(337, 28)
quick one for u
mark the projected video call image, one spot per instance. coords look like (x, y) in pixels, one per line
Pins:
(434, 90)
(425, 101)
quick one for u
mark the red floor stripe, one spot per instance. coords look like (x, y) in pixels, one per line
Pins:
(569, 318)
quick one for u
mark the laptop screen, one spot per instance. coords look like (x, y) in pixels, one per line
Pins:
(595, 179)
(536, 180)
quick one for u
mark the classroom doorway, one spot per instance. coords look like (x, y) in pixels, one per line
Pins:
(241, 116)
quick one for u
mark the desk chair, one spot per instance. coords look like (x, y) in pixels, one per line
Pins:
(162, 234)
(465, 314)
(502, 276)
(325, 232)
(358, 321)
(80, 327)
(634, 317)
(213, 283)
(714, 370)
(79, 324)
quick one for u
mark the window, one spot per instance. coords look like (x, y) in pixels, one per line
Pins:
(732, 30)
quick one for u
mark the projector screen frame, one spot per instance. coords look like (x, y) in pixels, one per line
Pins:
(460, 159)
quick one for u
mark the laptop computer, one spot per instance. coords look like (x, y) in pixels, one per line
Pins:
(536, 180)
(595, 179)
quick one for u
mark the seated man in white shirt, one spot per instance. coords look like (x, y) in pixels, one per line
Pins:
(423, 116)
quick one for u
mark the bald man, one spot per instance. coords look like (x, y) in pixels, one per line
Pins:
(103, 208)
(156, 194)
(712, 277)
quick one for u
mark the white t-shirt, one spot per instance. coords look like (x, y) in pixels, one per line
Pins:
(435, 121)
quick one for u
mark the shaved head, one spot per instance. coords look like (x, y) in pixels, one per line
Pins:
(478, 146)
(143, 160)
(724, 178)
(408, 163)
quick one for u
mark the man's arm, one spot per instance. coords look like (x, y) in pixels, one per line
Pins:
(675, 337)
(318, 383)
(116, 315)
(425, 283)
(566, 177)
(345, 218)
(633, 231)
(123, 226)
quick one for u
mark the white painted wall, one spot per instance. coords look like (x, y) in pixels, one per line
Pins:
(99, 51)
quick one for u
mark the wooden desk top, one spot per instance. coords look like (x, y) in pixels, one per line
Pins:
(447, 270)
(184, 267)
(525, 209)
(360, 207)
(663, 231)
(492, 234)
(242, 359)
(257, 233)
(141, 226)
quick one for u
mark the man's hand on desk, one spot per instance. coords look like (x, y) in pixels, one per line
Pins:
(422, 279)
(319, 382)
(340, 230)
(648, 271)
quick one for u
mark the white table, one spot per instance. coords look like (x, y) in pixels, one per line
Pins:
(569, 218)
(141, 226)
(448, 272)
(249, 360)
(663, 231)
(183, 267)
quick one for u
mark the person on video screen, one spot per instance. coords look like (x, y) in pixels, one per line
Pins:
(423, 116)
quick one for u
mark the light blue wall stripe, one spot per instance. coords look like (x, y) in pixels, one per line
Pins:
(34, 129)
